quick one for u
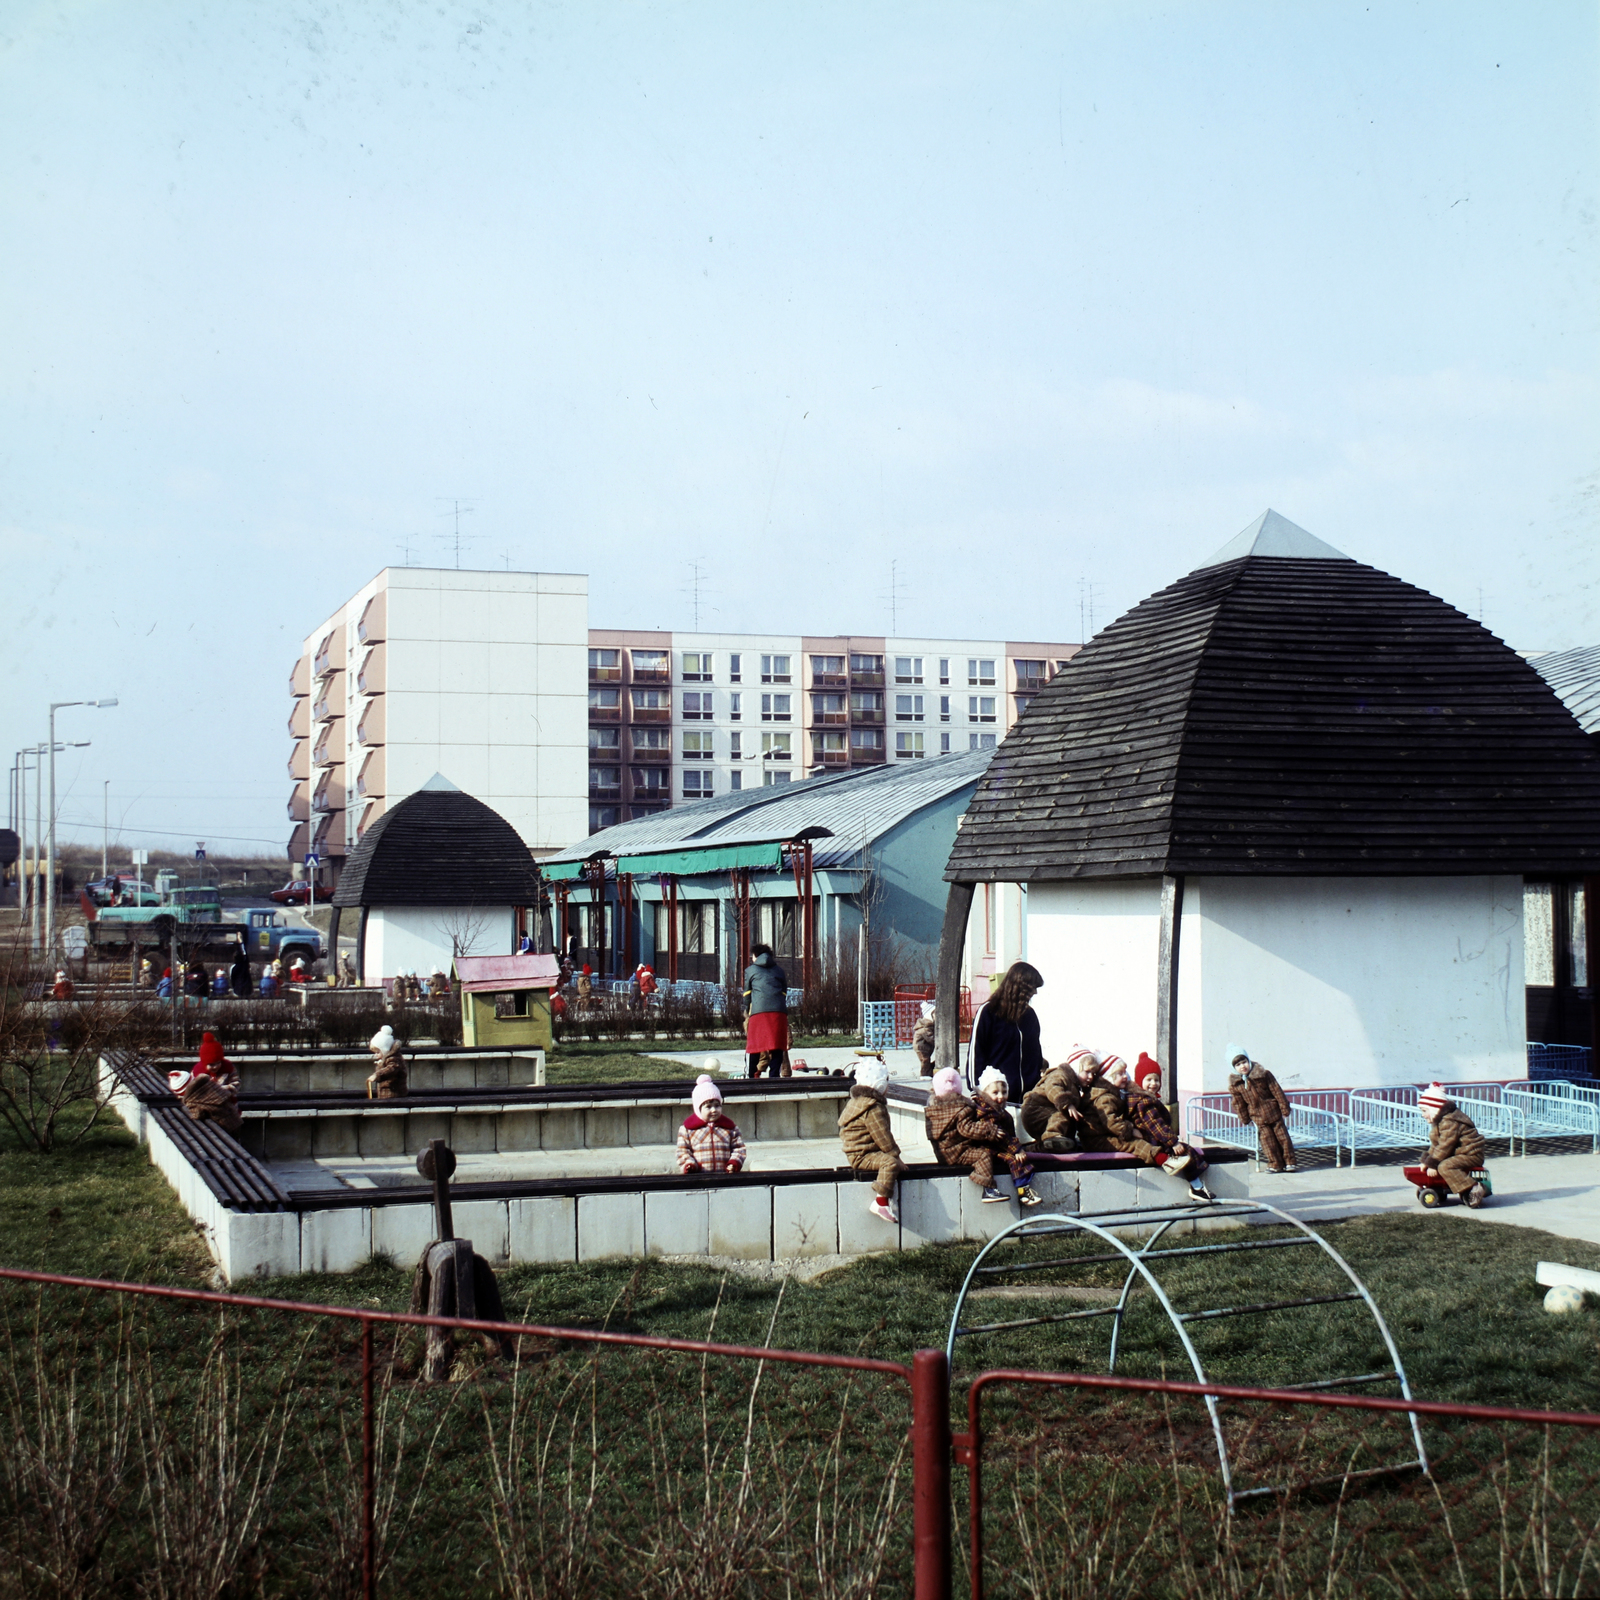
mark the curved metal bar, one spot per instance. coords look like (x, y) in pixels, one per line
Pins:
(1122, 1304)
(1135, 1265)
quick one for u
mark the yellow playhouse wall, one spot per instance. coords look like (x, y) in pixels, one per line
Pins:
(480, 1026)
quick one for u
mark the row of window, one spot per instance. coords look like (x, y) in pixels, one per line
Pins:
(698, 666)
(779, 747)
(698, 705)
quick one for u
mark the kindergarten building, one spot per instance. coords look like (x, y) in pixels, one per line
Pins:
(1291, 802)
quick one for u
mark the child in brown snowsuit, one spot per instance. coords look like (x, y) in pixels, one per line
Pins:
(962, 1135)
(1455, 1147)
(869, 1142)
(1258, 1099)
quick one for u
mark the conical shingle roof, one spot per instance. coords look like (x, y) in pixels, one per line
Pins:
(1283, 710)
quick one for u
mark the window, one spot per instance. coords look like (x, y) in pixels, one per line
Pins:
(980, 708)
(944, 669)
(1577, 937)
(735, 748)
(829, 707)
(1030, 674)
(697, 666)
(608, 740)
(980, 674)
(651, 663)
(1023, 702)
(605, 664)
(771, 778)
(514, 1004)
(908, 746)
(736, 780)
(827, 666)
(652, 739)
(829, 748)
(697, 784)
(944, 708)
(944, 744)
(697, 705)
(774, 669)
(733, 705)
(869, 668)
(733, 670)
(635, 812)
(776, 746)
(869, 739)
(908, 669)
(658, 700)
(697, 747)
(602, 779)
(908, 708)
(775, 707)
(980, 741)
(605, 700)
(602, 817)
(867, 705)
(1538, 934)
(651, 783)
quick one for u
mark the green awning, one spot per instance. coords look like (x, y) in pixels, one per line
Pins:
(556, 870)
(695, 863)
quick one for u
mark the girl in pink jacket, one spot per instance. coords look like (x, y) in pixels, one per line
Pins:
(708, 1141)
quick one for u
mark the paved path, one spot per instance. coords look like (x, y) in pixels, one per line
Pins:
(1559, 1193)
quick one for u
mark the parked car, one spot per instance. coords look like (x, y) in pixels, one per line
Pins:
(119, 890)
(298, 892)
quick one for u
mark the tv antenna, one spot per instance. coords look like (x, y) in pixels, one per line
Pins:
(894, 594)
(1088, 593)
(697, 579)
(457, 511)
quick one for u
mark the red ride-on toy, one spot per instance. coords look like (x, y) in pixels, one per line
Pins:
(1435, 1191)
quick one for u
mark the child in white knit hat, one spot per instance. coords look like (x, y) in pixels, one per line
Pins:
(869, 1142)
(1455, 1147)
(708, 1141)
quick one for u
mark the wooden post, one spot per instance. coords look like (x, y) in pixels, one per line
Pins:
(669, 885)
(625, 911)
(947, 993)
(1167, 988)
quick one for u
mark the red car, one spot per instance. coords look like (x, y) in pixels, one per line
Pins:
(298, 892)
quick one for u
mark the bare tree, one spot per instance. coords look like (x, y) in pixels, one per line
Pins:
(465, 927)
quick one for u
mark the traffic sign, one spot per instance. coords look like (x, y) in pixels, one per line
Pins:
(313, 860)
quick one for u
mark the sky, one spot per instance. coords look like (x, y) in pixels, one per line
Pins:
(1031, 305)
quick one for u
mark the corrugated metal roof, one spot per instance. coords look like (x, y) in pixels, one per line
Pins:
(854, 807)
(1575, 676)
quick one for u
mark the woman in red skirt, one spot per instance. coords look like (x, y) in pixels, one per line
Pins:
(766, 1014)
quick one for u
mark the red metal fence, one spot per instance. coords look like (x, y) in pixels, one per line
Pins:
(184, 1437)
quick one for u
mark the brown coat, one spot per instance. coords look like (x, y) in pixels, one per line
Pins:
(1048, 1106)
(1455, 1137)
(864, 1125)
(1257, 1097)
(207, 1101)
(389, 1076)
(1110, 1126)
(956, 1129)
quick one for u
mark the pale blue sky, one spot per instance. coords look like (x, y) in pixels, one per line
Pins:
(1016, 295)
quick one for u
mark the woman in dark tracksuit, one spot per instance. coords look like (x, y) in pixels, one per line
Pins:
(1006, 1032)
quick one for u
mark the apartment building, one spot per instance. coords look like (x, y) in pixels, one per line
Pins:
(688, 716)
(475, 675)
(496, 681)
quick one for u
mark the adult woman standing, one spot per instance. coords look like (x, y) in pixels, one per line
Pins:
(1005, 1033)
(766, 1013)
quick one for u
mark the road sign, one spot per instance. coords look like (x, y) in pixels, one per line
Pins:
(141, 858)
(199, 849)
(313, 860)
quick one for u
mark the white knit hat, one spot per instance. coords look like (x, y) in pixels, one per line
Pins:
(383, 1040)
(989, 1077)
(1079, 1054)
(705, 1091)
(1111, 1065)
(1433, 1095)
(180, 1080)
(872, 1075)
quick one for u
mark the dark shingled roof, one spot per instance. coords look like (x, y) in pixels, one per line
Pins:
(1284, 709)
(439, 847)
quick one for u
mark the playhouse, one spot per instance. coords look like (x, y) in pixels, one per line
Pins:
(505, 1000)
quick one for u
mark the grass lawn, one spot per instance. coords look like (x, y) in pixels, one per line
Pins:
(583, 1061)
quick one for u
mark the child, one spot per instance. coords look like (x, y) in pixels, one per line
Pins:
(1052, 1110)
(1106, 1115)
(869, 1143)
(1455, 1147)
(388, 1080)
(990, 1100)
(210, 1092)
(922, 1038)
(962, 1136)
(1258, 1099)
(1149, 1116)
(708, 1141)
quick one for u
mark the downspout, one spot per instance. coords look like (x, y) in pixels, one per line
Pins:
(361, 948)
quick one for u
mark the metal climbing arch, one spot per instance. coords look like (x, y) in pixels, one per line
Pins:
(1144, 1262)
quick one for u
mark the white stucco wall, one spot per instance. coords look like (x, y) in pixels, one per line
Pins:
(1329, 981)
(419, 938)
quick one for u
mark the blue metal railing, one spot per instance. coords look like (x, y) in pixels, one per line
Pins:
(1560, 1061)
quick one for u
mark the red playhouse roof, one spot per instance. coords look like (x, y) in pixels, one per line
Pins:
(504, 973)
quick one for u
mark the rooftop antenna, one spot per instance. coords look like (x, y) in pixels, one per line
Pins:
(457, 510)
(405, 548)
(1087, 591)
(697, 577)
(894, 596)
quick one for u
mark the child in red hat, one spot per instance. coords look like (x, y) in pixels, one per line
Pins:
(1148, 1113)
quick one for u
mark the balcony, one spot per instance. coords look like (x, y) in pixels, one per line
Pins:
(371, 676)
(371, 627)
(329, 749)
(370, 727)
(652, 675)
(300, 677)
(605, 705)
(652, 713)
(329, 702)
(829, 680)
(867, 719)
(605, 674)
(370, 780)
(300, 718)
(299, 803)
(830, 758)
(1030, 685)
(300, 761)
(654, 757)
(830, 719)
(329, 795)
(330, 653)
(867, 758)
(866, 680)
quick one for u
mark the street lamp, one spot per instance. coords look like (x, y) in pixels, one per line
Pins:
(50, 862)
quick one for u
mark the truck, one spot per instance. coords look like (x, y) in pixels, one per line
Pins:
(204, 930)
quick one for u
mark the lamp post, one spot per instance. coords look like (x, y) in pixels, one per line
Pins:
(50, 861)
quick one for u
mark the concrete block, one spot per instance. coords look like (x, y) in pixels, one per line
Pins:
(605, 1127)
(818, 1116)
(484, 1223)
(287, 1139)
(421, 1126)
(517, 1130)
(653, 1125)
(739, 1223)
(773, 1119)
(253, 1136)
(543, 1229)
(861, 1233)
(1117, 1190)
(930, 1210)
(492, 1072)
(610, 1225)
(561, 1130)
(458, 1074)
(335, 1241)
(402, 1232)
(805, 1220)
(1058, 1189)
(353, 1076)
(326, 1077)
(981, 1221)
(382, 1134)
(263, 1244)
(290, 1077)
(424, 1076)
(335, 1136)
(1232, 1182)
(472, 1133)
(677, 1222)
